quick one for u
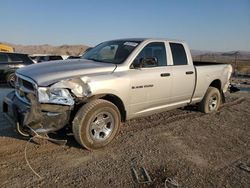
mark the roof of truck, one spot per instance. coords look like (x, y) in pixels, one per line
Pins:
(144, 39)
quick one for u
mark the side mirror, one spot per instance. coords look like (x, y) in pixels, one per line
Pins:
(136, 64)
(145, 62)
(149, 62)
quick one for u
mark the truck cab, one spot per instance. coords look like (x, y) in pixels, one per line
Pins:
(167, 81)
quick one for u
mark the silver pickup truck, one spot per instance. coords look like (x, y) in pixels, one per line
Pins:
(115, 81)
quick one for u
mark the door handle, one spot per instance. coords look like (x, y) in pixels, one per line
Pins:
(189, 72)
(165, 74)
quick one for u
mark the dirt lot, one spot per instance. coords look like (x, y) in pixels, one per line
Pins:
(195, 149)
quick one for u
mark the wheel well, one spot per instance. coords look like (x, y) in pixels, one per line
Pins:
(118, 102)
(216, 84)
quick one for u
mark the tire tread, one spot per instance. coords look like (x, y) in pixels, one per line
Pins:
(202, 104)
(77, 123)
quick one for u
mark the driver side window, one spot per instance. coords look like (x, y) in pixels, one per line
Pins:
(155, 51)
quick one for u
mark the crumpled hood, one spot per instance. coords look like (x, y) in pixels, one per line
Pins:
(47, 73)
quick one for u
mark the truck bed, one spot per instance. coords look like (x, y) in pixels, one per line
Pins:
(207, 72)
(204, 63)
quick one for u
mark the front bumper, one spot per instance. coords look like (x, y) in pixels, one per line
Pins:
(42, 118)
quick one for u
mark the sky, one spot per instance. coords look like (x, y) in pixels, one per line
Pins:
(213, 25)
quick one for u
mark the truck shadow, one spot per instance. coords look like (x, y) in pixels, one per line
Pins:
(65, 134)
(7, 130)
(190, 108)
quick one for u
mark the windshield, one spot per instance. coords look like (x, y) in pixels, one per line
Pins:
(114, 52)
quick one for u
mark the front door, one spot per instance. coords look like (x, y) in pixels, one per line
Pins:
(150, 84)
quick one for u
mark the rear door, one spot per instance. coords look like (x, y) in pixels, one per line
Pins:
(183, 74)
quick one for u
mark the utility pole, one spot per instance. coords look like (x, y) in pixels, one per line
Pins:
(235, 60)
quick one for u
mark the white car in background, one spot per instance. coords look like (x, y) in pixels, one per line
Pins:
(38, 58)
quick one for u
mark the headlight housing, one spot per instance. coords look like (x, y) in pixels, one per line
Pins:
(55, 96)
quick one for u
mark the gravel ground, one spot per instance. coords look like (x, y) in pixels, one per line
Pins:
(194, 149)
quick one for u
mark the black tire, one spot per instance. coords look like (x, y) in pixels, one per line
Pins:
(91, 126)
(211, 101)
(10, 79)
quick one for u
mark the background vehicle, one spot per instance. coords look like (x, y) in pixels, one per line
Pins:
(44, 57)
(6, 48)
(9, 62)
(113, 82)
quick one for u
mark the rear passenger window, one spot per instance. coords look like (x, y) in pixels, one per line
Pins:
(3, 58)
(179, 54)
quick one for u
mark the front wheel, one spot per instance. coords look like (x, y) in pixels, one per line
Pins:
(96, 124)
(211, 101)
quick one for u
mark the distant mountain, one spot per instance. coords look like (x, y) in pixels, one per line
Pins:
(49, 49)
(241, 54)
(220, 56)
(198, 52)
(79, 49)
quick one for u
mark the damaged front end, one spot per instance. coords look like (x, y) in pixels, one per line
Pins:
(43, 109)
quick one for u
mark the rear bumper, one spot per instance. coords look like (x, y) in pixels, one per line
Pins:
(42, 118)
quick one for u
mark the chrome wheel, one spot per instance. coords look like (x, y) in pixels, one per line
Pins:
(96, 124)
(101, 126)
(212, 103)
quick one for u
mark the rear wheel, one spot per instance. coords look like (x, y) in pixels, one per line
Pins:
(96, 124)
(11, 79)
(211, 101)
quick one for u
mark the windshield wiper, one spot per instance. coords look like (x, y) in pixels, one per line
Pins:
(93, 59)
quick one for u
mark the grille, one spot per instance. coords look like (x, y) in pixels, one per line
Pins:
(24, 86)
